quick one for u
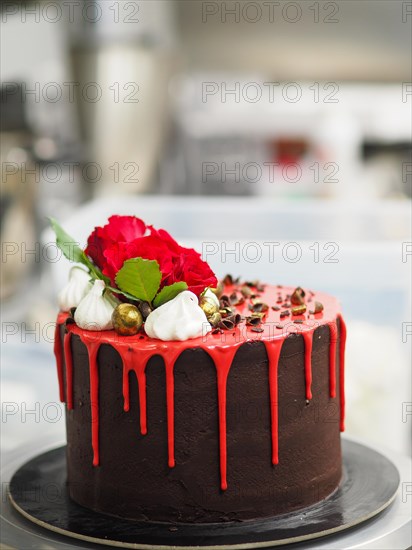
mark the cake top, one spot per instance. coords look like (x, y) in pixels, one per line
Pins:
(239, 323)
(139, 283)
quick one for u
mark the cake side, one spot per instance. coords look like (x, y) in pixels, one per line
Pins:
(231, 426)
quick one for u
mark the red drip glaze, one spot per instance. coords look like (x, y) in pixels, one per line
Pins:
(332, 358)
(222, 353)
(342, 372)
(170, 407)
(69, 369)
(223, 359)
(128, 356)
(126, 392)
(58, 352)
(93, 348)
(169, 361)
(273, 349)
(308, 338)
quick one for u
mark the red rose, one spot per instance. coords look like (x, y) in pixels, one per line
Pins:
(190, 267)
(150, 248)
(126, 237)
(119, 229)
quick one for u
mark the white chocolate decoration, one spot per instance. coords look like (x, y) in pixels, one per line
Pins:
(75, 290)
(95, 310)
(178, 319)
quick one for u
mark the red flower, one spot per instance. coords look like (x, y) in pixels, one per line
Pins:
(126, 237)
(150, 248)
(190, 267)
(119, 229)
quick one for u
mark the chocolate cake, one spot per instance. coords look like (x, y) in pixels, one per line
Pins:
(189, 400)
(232, 426)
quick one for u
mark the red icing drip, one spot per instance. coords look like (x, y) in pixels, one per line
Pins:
(69, 369)
(222, 358)
(222, 354)
(332, 358)
(93, 348)
(170, 361)
(58, 352)
(126, 392)
(273, 349)
(342, 372)
(139, 368)
(308, 338)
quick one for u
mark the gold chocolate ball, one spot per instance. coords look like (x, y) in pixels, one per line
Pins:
(208, 306)
(127, 319)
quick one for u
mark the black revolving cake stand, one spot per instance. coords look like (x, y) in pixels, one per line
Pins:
(370, 483)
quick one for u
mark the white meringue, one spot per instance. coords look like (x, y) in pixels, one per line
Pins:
(75, 290)
(95, 310)
(178, 319)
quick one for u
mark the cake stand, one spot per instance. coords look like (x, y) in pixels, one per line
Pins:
(370, 511)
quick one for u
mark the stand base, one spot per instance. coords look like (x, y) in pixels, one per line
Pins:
(38, 491)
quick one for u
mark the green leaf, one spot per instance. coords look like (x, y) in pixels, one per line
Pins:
(140, 278)
(73, 252)
(67, 244)
(118, 291)
(168, 293)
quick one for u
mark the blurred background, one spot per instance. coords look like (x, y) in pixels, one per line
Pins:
(241, 128)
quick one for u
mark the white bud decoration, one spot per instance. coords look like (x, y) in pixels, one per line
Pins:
(178, 319)
(95, 310)
(75, 290)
